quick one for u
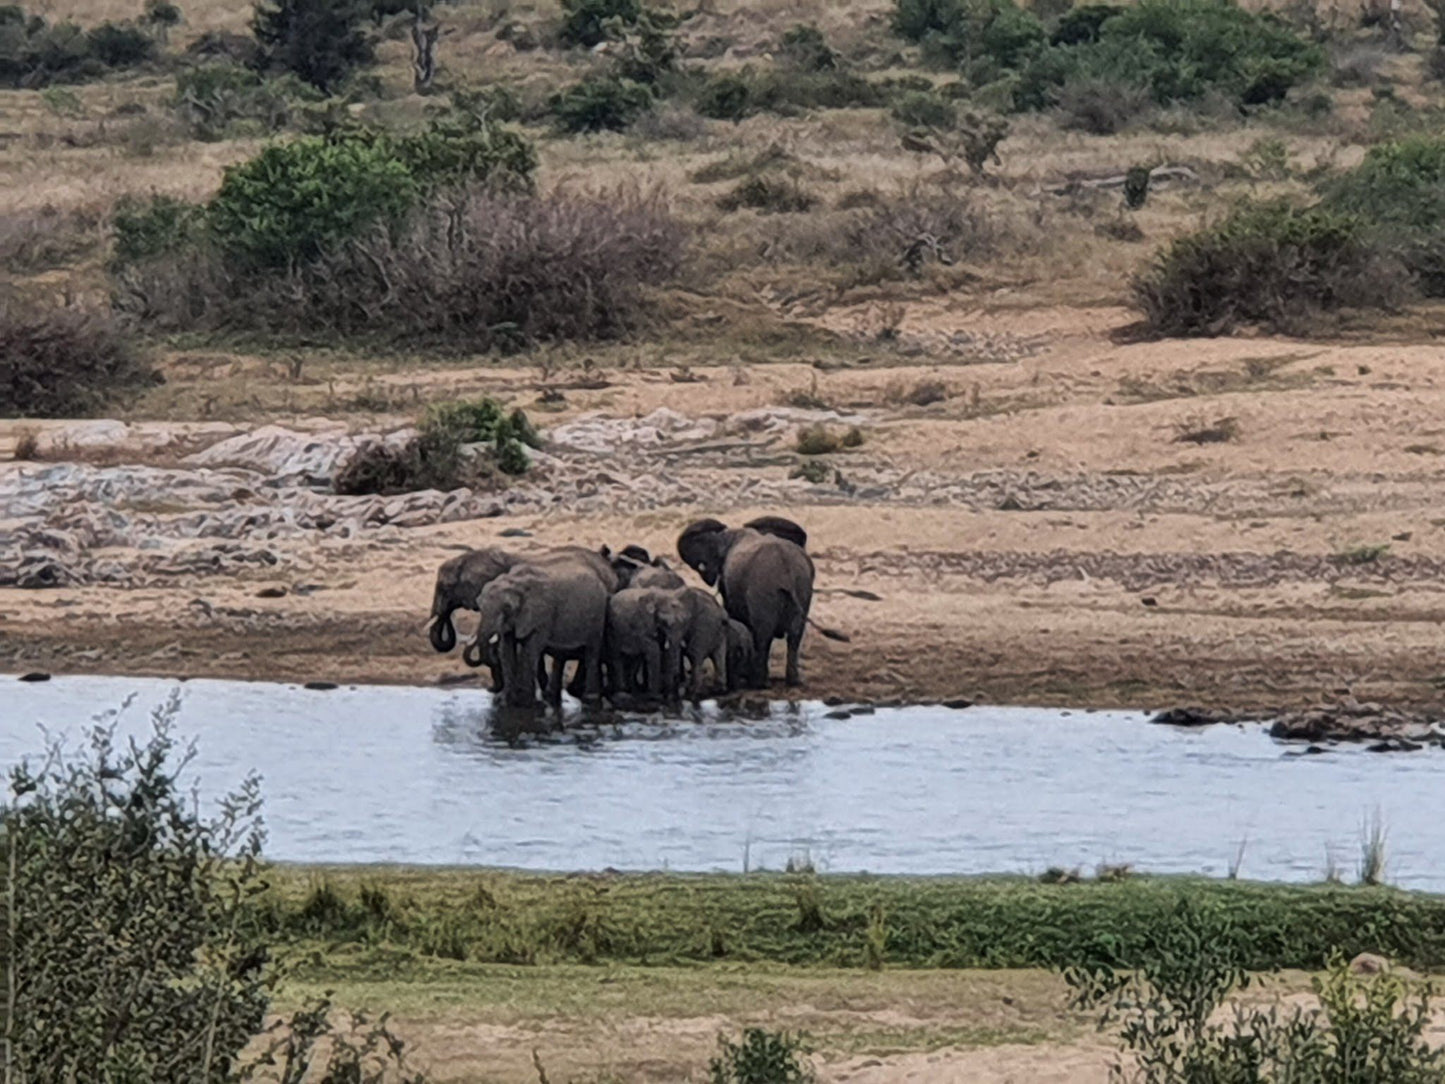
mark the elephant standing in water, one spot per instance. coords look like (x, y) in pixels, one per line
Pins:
(706, 638)
(461, 580)
(646, 626)
(766, 580)
(556, 608)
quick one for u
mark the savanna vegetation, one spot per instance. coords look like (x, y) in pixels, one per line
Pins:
(380, 186)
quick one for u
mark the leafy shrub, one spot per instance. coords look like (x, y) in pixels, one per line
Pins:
(145, 229)
(130, 923)
(321, 42)
(761, 1057)
(58, 362)
(293, 200)
(1400, 189)
(461, 147)
(1366, 1031)
(924, 109)
(805, 47)
(436, 459)
(600, 103)
(212, 98)
(1175, 50)
(1270, 264)
(34, 53)
(725, 97)
(590, 22)
(735, 95)
(480, 269)
(773, 194)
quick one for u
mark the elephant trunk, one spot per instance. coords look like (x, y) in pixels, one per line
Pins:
(443, 634)
(473, 654)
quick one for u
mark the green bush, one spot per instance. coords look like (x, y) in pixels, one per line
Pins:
(1176, 50)
(735, 95)
(761, 1057)
(321, 42)
(600, 103)
(435, 459)
(1167, 1014)
(805, 47)
(924, 109)
(590, 22)
(65, 362)
(212, 98)
(1269, 264)
(1400, 189)
(288, 204)
(147, 228)
(35, 53)
(460, 148)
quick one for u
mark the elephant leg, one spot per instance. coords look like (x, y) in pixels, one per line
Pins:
(653, 669)
(493, 659)
(590, 668)
(694, 675)
(720, 666)
(795, 644)
(554, 683)
(762, 647)
(528, 657)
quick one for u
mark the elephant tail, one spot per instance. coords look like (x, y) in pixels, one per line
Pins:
(832, 634)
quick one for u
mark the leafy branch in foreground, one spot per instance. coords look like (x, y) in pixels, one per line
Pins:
(132, 946)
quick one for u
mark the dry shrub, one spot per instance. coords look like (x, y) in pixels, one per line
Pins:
(920, 227)
(38, 240)
(770, 195)
(64, 361)
(1198, 429)
(475, 268)
(1101, 106)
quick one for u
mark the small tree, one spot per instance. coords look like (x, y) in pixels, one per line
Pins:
(321, 41)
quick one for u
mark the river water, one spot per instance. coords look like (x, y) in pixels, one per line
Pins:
(431, 776)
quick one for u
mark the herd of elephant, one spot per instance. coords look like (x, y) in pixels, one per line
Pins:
(630, 622)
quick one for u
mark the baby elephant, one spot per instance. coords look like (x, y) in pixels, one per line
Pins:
(707, 637)
(645, 626)
(740, 654)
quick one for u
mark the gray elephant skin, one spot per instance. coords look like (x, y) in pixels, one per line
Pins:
(461, 580)
(766, 580)
(556, 608)
(706, 638)
(646, 627)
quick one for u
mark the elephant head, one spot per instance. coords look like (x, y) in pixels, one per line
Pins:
(458, 584)
(704, 545)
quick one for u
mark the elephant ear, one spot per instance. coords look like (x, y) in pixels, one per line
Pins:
(700, 546)
(639, 554)
(780, 528)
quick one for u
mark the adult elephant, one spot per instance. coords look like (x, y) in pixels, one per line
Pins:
(458, 584)
(553, 607)
(766, 581)
(460, 581)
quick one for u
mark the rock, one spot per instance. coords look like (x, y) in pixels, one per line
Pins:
(1189, 717)
(1367, 963)
(271, 592)
(514, 532)
(838, 714)
(35, 676)
(957, 704)
(321, 686)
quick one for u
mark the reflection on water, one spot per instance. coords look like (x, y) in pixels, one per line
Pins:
(382, 774)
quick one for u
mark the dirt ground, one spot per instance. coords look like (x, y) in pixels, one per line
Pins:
(1043, 534)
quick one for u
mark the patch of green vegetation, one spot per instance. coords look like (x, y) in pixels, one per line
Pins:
(1366, 554)
(761, 1057)
(1176, 50)
(659, 919)
(1270, 264)
(1400, 189)
(36, 53)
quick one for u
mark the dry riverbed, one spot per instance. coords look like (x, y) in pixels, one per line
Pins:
(1248, 525)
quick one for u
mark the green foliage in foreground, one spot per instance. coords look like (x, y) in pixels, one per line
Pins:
(1366, 1030)
(760, 1057)
(841, 921)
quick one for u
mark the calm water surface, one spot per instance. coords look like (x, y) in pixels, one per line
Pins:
(417, 775)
